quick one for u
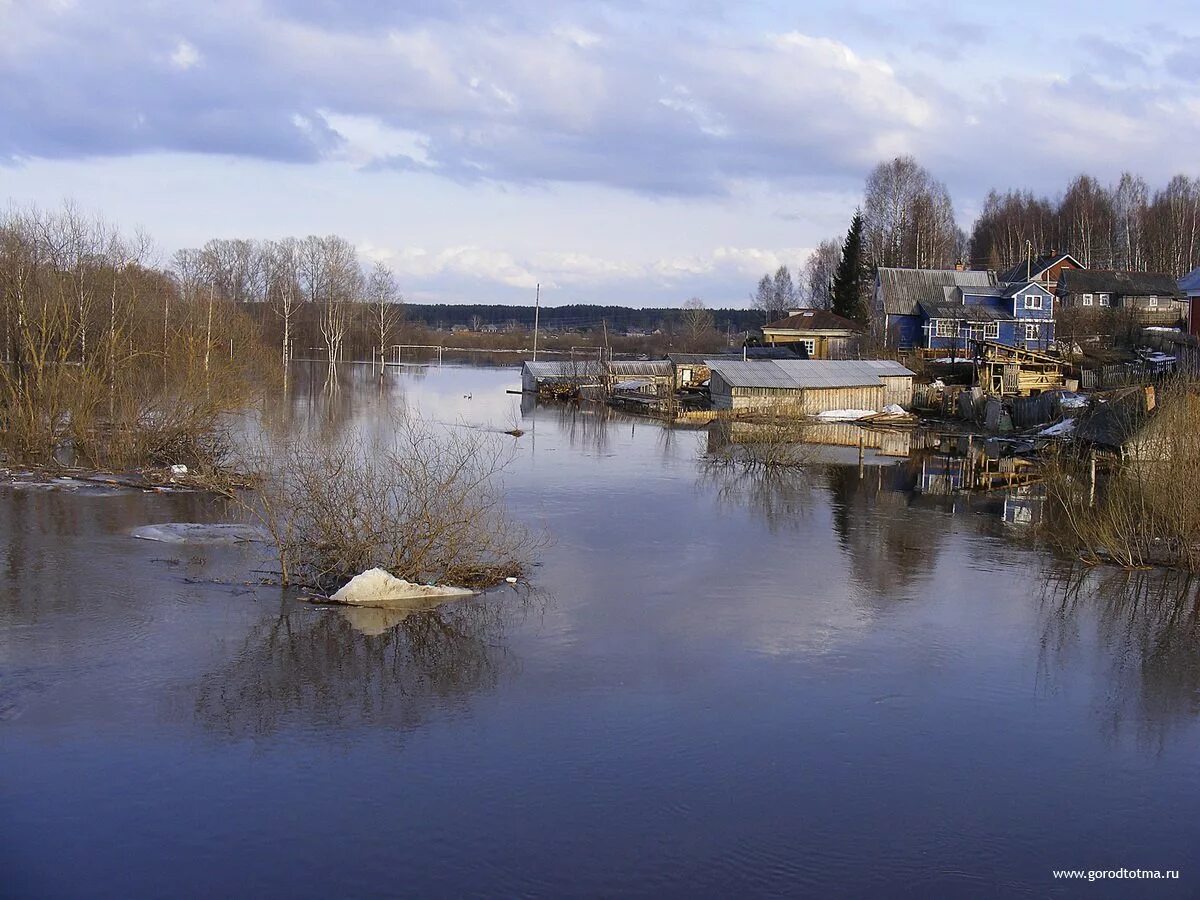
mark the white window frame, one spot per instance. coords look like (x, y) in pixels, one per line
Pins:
(1106, 300)
(991, 331)
(810, 344)
(977, 331)
(1087, 299)
(1033, 301)
(944, 328)
(1152, 302)
(1033, 331)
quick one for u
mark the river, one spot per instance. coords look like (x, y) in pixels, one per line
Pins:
(828, 683)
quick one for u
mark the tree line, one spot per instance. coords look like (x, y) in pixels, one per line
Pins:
(907, 221)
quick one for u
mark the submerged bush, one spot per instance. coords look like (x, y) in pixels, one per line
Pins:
(1144, 511)
(427, 508)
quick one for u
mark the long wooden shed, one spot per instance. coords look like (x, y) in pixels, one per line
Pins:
(808, 386)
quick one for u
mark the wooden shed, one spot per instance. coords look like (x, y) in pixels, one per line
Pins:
(808, 386)
(560, 376)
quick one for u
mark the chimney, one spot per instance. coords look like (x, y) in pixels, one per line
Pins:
(958, 266)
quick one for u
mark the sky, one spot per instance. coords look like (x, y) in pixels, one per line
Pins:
(632, 152)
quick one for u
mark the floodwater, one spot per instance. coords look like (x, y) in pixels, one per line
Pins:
(844, 683)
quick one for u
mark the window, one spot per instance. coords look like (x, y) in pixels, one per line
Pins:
(685, 376)
(810, 344)
(976, 332)
(1105, 300)
(1153, 302)
(945, 328)
(1033, 301)
(1087, 299)
(991, 331)
(1032, 331)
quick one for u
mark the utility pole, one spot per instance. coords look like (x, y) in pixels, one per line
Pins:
(1028, 260)
(537, 306)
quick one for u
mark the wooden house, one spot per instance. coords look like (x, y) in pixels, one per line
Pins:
(1152, 297)
(1020, 314)
(824, 334)
(1045, 270)
(899, 293)
(805, 387)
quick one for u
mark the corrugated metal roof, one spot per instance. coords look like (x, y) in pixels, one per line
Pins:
(563, 369)
(640, 367)
(902, 290)
(969, 313)
(807, 373)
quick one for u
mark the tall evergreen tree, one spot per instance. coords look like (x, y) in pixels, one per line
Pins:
(852, 280)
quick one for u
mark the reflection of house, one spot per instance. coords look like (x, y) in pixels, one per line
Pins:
(1044, 271)
(899, 294)
(1151, 295)
(1189, 286)
(808, 386)
(559, 376)
(824, 334)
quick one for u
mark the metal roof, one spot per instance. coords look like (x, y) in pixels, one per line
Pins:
(902, 290)
(563, 369)
(807, 373)
(1121, 283)
(641, 367)
(1190, 283)
(970, 313)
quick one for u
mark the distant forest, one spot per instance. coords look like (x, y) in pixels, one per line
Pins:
(576, 317)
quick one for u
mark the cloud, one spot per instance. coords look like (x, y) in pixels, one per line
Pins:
(185, 56)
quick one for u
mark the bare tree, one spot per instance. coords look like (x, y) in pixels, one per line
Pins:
(386, 309)
(697, 322)
(909, 217)
(816, 281)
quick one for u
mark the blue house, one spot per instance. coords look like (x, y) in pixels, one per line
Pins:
(948, 310)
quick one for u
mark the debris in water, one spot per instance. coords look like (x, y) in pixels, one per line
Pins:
(200, 533)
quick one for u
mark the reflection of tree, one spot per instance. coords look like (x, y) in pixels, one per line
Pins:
(875, 526)
(781, 496)
(323, 668)
(1147, 626)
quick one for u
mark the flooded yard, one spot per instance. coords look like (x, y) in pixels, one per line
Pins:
(835, 681)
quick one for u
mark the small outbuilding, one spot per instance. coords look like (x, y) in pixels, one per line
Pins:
(824, 334)
(559, 377)
(808, 387)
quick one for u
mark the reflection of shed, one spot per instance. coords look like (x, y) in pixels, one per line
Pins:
(1002, 369)
(561, 376)
(808, 386)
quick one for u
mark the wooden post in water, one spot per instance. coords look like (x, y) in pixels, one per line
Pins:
(1092, 498)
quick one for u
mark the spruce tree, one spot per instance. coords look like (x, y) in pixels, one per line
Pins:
(851, 281)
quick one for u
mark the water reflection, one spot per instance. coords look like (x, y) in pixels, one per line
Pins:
(334, 668)
(1146, 631)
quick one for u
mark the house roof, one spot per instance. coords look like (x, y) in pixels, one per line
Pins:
(1025, 273)
(902, 290)
(1127, 284)
(564, 369)
(813, 320)
(1190, 283)
(695, 359)
(1012, 288)
(969, 313)
(806, 373)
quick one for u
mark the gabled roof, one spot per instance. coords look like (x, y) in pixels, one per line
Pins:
(1013, 288)
(1126, 284)
(1190, 283)
(1025, 272)
(784, 351)
(813, 320)
(902, 290)
(807, 373)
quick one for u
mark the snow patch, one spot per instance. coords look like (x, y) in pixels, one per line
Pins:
(845, 415)
(377, 587)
